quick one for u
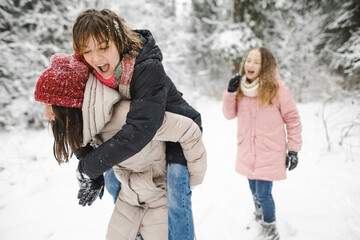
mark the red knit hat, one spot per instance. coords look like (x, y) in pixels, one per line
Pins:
(62, 84)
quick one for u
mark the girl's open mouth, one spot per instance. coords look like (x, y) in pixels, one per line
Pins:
(104, 68)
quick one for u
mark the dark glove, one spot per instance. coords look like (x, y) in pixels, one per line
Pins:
(82, 152)
(90, 188)
(174, 153)
(292, 160)
(234, 83)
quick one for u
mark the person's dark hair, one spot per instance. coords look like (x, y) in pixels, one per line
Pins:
(105, 25)
(67, 129)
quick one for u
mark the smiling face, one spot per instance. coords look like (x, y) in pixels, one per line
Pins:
(102, 56)
(252, 64)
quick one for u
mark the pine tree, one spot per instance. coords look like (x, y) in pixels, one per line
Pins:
(292, 40)
(254, 15)
(31, 31)
(340, 46)
(219, 43)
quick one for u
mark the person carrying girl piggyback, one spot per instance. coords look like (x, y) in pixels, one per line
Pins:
(130, 61)
(262, 104)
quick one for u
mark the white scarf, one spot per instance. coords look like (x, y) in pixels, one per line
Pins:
(249, 89)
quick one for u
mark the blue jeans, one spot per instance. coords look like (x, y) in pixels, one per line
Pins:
(112, 184)
(180, 218)
(181, 223)
(261, 191)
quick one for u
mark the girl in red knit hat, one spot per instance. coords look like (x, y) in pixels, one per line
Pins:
(83, 110)
(130, 61)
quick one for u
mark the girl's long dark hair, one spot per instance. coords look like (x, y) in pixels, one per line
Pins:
(67, 129)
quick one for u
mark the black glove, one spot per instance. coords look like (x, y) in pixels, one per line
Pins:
(234, 83)
(292, 160)
(90, 188)
(82, 152)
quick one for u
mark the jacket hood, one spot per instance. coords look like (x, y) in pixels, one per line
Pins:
(149, 48)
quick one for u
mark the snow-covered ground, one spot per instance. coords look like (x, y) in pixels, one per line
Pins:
(319, 200)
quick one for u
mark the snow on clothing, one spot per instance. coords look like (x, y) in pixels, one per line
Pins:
(141, 205)
(152, 93)
(261, 137)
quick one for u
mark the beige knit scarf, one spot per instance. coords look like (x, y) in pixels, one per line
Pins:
(249, 89)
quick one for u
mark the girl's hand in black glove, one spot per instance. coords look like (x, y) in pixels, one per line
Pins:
(292, 160)
(90, 188)
(83, 151)
(234, 83)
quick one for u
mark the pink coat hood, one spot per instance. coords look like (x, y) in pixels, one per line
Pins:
(261, 138)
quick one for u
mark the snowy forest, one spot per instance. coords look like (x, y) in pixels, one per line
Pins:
(316, 43)
(317, 47)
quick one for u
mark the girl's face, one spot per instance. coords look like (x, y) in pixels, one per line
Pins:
(102, 58)
(49, 112)
(253, 64)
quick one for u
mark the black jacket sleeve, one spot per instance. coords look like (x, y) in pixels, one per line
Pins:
(144, 118)
(83, 151)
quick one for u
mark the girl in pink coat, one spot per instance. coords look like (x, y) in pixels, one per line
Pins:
(263, 105)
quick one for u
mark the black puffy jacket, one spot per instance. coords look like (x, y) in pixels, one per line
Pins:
(152, 93)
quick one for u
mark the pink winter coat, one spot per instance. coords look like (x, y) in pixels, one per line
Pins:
(261, 138)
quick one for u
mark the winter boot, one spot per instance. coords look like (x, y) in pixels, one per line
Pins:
(258, 214)
(269, 231)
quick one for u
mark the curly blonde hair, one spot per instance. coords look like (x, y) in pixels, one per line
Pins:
(268, 85)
